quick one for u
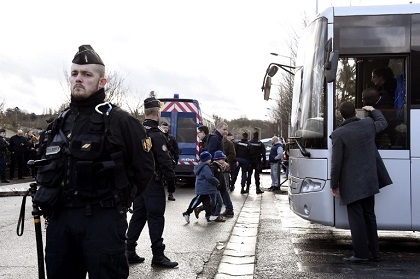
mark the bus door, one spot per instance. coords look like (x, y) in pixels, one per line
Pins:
(393, 203)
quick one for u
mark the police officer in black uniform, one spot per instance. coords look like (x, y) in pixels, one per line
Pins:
(150, 205)
(242, 156)
(96, 155)
(174, 151)
(4, 146)
(256, 153)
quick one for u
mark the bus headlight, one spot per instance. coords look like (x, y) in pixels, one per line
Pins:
(312, 185)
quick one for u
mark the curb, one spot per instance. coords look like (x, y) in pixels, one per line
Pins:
(13, 192)
(238, 260)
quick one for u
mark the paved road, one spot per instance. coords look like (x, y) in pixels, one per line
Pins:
(264, 240)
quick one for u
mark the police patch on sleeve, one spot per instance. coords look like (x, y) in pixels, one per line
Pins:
(147, 144)
(164, 148)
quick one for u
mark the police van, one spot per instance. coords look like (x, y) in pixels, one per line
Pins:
(184, 117)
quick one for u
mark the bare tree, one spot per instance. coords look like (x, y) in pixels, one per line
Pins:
(116, 90)
(282, 108)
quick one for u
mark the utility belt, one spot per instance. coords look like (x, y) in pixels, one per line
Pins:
(78, 202)
(109, 202)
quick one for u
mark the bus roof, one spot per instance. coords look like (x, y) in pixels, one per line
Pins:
(370, 10)
(177, 100)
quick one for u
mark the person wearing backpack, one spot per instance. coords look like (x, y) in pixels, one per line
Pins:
(96, 157)
(256, 153)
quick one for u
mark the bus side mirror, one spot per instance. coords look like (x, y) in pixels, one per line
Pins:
(330, 66)
(267, 88)
(272, 71)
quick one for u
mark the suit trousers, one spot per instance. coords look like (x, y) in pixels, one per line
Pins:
(364, 231)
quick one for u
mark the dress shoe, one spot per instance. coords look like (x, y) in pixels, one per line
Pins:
(227, 213)
(163, 261)
(171, 197)
(132, 257)
(259, 191)
(243, 191)
(232, 188)
(354, 259)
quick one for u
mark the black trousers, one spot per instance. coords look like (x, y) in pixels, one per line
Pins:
(148, 207)
(17, 159)
(77, 244)
(205, 200)
(2, 167)
(254, 165)
(364, 231)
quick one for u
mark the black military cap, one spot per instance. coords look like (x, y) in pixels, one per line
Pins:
(86, 55)
(151, 103)
(2, 131)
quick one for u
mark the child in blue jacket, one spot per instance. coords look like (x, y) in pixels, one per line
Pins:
(205, 185)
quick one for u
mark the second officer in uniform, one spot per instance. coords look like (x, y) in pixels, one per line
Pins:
(150, 205)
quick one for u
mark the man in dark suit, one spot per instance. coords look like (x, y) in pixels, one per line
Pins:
(357, 173)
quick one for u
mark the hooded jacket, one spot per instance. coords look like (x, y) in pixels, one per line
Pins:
(205, 182)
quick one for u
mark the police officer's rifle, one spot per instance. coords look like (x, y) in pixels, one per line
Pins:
(37, 213)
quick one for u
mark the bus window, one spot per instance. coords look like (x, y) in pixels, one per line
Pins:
(187, 127)
(387, 74)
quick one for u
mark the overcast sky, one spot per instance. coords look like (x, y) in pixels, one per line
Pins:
(213, 51)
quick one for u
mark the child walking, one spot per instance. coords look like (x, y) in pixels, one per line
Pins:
(218, 167)
(205, 185)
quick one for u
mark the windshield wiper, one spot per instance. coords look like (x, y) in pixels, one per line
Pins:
(302, 149)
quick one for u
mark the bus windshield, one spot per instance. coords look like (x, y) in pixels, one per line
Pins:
(308, 104)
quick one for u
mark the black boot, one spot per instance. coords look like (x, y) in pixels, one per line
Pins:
(163, 261)
(132, 257)
(259, 191)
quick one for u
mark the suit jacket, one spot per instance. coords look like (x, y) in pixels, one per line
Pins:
(356, 166)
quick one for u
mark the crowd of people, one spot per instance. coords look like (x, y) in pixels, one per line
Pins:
(100, 160)
(20, 148)
(221, 160)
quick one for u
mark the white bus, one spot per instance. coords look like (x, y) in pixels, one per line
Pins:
(336, 57)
